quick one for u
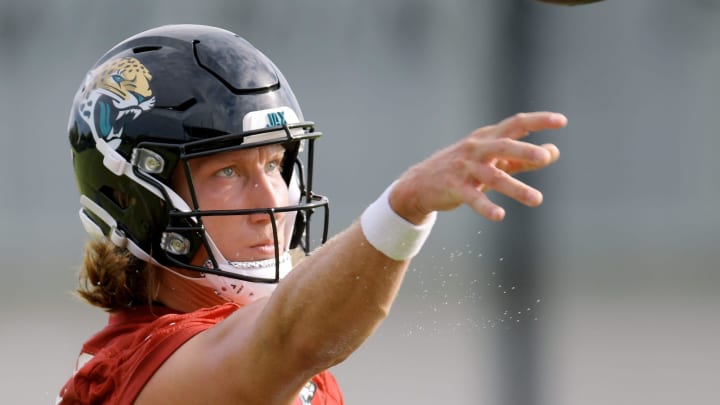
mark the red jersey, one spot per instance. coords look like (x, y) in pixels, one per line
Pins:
(120, 359)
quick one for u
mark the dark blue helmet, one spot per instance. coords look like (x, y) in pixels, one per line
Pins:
(166, 96)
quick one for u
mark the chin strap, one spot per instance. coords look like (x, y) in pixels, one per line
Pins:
(244, 292)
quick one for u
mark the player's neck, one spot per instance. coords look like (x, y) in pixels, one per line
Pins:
(184, 295)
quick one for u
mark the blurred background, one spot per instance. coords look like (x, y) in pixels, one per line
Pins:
(607, 294)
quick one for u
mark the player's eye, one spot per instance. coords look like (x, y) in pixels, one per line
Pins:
(225, 172)
(271, 166)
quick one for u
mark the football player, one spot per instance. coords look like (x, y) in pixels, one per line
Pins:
(195, 170)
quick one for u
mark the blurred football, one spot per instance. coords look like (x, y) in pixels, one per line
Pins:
(569, 2)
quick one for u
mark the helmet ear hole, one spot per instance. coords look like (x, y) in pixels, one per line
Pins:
(121, 200)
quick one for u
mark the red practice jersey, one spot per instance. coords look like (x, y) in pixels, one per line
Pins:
(117, 362)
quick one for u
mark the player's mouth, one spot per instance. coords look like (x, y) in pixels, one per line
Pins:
(263, 250)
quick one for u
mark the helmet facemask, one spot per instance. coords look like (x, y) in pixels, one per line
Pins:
(187, 242)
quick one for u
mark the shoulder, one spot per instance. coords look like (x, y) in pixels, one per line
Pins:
(119, 360)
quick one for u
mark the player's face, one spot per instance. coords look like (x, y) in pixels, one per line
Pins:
(242, 179)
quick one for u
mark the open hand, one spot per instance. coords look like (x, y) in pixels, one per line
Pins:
(484, 160)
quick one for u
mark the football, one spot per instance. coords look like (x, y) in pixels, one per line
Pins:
(569, 2)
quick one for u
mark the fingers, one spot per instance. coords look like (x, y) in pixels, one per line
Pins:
(510, 149)
(495, 179)
(505, 155)
(477, 199)
(513, 165)
(553, 150)
(521, 124)
(480, 203)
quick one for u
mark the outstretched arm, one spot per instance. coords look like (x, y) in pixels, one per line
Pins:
(334, 299)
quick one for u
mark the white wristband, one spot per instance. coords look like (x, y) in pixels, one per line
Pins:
(390, 233)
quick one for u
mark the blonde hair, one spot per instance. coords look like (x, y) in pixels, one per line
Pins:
(111, 278)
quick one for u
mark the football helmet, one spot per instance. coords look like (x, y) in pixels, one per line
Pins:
(166, 96)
